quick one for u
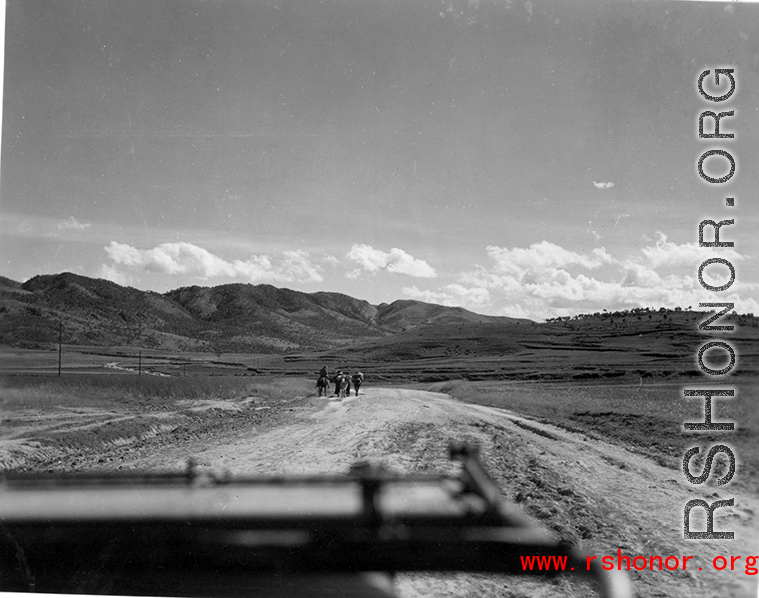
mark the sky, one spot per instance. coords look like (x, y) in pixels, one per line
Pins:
(528, 159)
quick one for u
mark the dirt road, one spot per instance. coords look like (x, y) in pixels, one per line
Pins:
(596, 494)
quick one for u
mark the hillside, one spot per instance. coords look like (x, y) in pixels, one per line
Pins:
(637, 344)
(228, 318)
(400, 340)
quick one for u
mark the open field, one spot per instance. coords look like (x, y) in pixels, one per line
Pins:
(646, 417)
(615, 395)
(639, 407)
(593, 452)
(76, 359)
(75, 421)
(421, 344)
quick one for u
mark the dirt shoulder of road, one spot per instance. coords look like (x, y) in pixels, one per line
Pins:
(66, 439)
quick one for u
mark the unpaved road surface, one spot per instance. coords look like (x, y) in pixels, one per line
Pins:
(597, 495)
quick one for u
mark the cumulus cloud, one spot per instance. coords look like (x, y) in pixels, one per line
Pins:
(396, 260)
(72, 223)
(188, 259)
(603, 185)
(451, 295)
(678, 255)
(114, 275)
(176, 258)
(547, 280)
(297, 265)
(543, 255)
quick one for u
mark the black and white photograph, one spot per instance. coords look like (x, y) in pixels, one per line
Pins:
(379, 298)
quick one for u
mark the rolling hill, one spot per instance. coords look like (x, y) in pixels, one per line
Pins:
(228, 318)
(302, 331)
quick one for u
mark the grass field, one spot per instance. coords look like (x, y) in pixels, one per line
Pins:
(74, 421)
(643, 413)
(647, 418)
(127, 360)
(83, 390)
(96, 417)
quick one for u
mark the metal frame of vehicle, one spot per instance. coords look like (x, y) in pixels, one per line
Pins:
(192, 533)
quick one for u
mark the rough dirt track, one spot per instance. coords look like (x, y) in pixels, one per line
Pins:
(615, 498)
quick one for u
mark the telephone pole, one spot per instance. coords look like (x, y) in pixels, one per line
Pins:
(60, 346)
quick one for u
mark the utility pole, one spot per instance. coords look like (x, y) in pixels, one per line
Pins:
(60, 346)
(139, 364)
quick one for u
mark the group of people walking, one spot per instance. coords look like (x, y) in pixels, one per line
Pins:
(341, 380)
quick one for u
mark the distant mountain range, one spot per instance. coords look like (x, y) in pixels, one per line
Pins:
(225, 318)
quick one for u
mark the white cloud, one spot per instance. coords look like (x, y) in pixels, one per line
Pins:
(174, 258)
(112, 274)
(603, 185)
(543, 255)
(451, 295)
(188, 259)
(678, 255)
(296, 265)
(72, 223)
(24, 228)
(397, 261)
(546, 280)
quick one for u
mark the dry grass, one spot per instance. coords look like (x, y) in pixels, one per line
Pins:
(79, 421)
(81, 390)
(647, 418)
